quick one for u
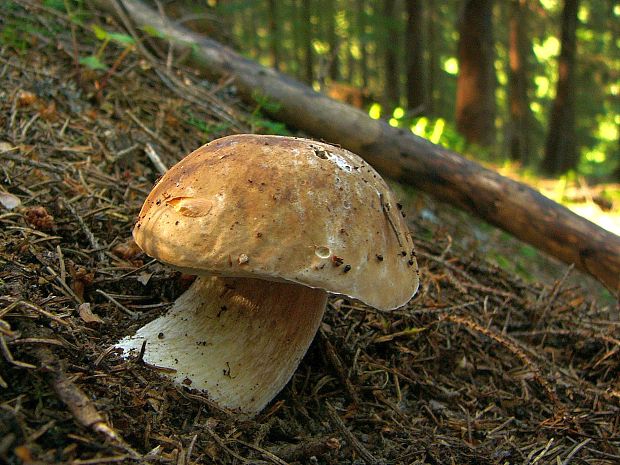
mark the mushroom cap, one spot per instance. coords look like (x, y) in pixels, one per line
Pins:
(282, 209)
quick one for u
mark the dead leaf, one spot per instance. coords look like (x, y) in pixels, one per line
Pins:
(25, 98)
(6, 147)
(144, 278)
(127, 250)
(9, 201)
(87, 315)
(38, 218)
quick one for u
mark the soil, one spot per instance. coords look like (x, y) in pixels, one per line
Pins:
(481, 367)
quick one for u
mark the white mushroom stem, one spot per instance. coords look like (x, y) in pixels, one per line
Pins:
(239, 339)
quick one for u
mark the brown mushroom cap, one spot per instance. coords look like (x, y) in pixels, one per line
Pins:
(282, 209)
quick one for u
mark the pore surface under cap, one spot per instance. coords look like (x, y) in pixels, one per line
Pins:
(282, 208)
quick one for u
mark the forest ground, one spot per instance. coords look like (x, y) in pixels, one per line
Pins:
(485, 365)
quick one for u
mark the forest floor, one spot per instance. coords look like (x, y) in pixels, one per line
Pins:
(485, 365)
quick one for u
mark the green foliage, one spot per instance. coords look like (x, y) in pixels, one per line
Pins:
(15, 37)
(18, 31)
(437, 130)
(152, 31)
(124, 40)
(210, 129)
(263, 102)
(55, 4)
(93, 62)
(261, 124)
(76, 11)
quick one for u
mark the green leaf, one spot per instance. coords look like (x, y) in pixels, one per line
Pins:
(100, 33)
(55, 4)
(123, 39)
(503, 262)
(277, 128)
(93, 62)
(528, 251)
(152, 31)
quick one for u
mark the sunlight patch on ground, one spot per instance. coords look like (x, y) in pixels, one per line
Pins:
(591, 211)
(564, 193)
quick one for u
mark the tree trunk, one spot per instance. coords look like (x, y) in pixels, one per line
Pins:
(248, 19)
(389, 43)
(433, 61)
(274, 36)
(298, 38)
(306, 7)
(361, 24)
(333, 70)
(520, 115)
(399, 154)
(351, 65)
(561, 152)
(414, 51)
(475, 94)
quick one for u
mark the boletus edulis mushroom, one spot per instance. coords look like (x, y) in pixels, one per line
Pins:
(270, 225)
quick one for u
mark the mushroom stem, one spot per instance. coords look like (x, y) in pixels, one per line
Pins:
(239, 339)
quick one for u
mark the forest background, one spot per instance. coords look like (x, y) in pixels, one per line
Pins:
(530, 86)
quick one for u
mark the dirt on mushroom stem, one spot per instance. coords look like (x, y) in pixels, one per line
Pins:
(430, 389)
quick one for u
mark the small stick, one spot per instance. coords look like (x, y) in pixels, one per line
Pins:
(37, 164)
(307, 448)
(76, 400)
(118, 304)
(220, 442)
(190, 448)
(28, 124)
(37, 340)
(335, 361)
(64, 285)
(61, 260)
(574, 451)
(38, 309)
(151, 133)
(208, 402)
(86, 230)
(8, 356)
(267, 454)
(351, 439)
(155, 159)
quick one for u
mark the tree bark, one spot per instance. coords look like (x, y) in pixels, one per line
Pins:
(361, 20)
(475, 88)
(561, 148)
(306, 7)
(399, 154)
(520, 115)
(249, 30)
(389, 42)
(298, 39)
(414, 51)
(333, 70)
(433, 61)
(274, 35)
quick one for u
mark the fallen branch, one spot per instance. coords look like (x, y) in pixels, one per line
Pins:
(399, 154)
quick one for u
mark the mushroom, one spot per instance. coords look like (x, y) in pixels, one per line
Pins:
(270, 225)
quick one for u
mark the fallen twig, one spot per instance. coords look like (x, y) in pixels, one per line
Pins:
(155, 159)
(351, 439)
